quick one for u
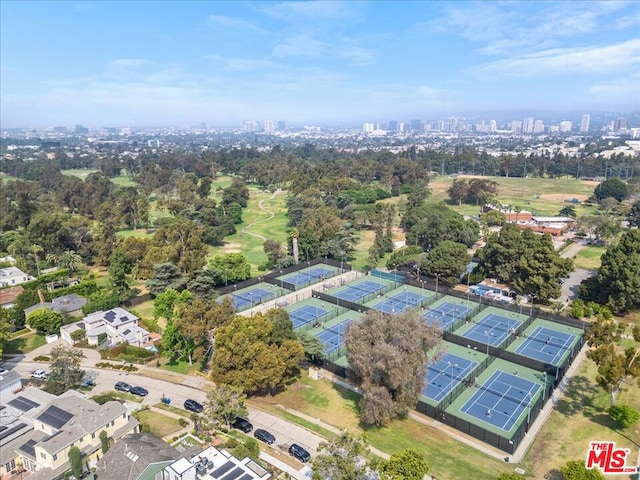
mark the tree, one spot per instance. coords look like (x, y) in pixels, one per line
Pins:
(104, 441)
(624, 415)
(619, 274)
(35, 251)
(341, 459)
(244, 355)
(568, 211)
(408, 464)
(458, 191)
(634, 215)
(5, 329)
(312, 346)
(511, 476)
(166, 276)
(164, 304)
(118, 267)
(180, 243)
(387, 355)
(577, 470)
(230, 268)
(433, 223)
(45, 321)
(75, 461)
(282, 326)
(448, 260)
(65, 371)
(68, 260)
(613, 187)
(224, 404)
(274, 252)
(616, 366)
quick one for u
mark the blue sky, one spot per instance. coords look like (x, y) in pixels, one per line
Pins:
(167, 63)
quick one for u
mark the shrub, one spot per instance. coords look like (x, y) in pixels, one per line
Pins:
(624, 415)
(183, 422)
(42, 358)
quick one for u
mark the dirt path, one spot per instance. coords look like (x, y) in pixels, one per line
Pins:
(271, 215)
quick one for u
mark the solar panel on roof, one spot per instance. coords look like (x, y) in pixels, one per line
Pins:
(12, 430)
(55, 417)
(110, 316)
(29, 448)
(217, 473)
(233, 474)
(23, 404)
(3, 428)
(123, 318)
(246, 476)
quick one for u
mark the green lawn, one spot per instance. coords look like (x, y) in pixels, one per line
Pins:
(589, 257)
(124, 181)
(322, 399)
(4, 178)
(81, 173)
(177, 366)
(24, 344)
(161, 425)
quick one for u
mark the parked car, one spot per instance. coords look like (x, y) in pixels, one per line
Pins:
(264, 436)
(242, 424)
(39, 374)
(300, 453)
(143, 392)
(192, 406)
(123, 387)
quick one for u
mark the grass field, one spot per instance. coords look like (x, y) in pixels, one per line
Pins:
(336, 406)
(589, 257)
(161, 425)
(24, 344)
(81, 173)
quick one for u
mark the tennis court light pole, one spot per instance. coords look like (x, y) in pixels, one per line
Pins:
(437, 278)
(487, 332)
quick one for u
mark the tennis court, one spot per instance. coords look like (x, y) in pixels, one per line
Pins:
(306, 314)
(333, 337)
(400, 302)
(251, 297)
(445, 374)
(502, 399)
(546, 345)
(309, 276)
(492, 329)
(445, 314)
(357, 291)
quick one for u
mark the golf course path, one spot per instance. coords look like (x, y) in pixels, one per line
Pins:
(271, 215)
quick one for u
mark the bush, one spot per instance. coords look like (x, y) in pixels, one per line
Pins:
(42, 358)
(624, 415)
(182, 422)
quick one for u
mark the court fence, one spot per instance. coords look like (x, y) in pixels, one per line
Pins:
(356, 307)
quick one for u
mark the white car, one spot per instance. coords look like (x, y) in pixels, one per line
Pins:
(39, 374)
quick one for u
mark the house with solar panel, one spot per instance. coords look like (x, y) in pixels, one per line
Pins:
(114, 326)
(38, 429)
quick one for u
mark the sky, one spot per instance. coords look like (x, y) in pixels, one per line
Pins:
(100, 63)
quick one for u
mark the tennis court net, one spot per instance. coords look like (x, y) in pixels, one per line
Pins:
(549, 342)
(521, 401)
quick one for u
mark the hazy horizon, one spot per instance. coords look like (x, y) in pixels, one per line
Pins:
(329, 63)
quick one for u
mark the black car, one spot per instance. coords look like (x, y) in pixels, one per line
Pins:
(192, 406)
(242, 424)
(264, 436)
(123, 387)
(300, 453)
(143, 392)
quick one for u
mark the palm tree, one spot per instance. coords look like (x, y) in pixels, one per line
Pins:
(294, 239)
(68, 260)
(35, 250)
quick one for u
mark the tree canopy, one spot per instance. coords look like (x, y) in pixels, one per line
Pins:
(65, 371)
(341, 459)
(387, 356)
(613, 187)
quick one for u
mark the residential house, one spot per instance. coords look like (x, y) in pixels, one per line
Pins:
(70, 304)
(9, 295)
(117, 325)
(12, 276)
(41, 428)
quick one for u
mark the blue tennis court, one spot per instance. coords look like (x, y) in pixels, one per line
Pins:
(501, 400)
(306, 314)
(355, 292)
(400, 302)
(309, 276)
(546, 345)
(445, 374)
(253, 297)
(445, 314)
(492, 329)
(333, 337)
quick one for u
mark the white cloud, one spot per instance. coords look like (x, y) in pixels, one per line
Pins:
(127, 63)
(303, 11)
(619, 90)
(300, 46)
(231, 23)
(243, 64)
(559, 61)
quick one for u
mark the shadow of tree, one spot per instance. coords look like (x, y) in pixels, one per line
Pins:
(578, 397)
(605, 420)
(554, 474)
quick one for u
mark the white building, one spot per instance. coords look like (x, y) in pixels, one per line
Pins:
(368, 127)
(584, 123)
(268, 126)
(117, 324)
(11, 276)
(565, 126)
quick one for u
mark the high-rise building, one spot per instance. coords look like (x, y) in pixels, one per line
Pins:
(368, 127)
(527, 125)
(393, 126)
(282, 126)
(538, 126)
(584, 123)
(251, 126)
(565, 126)
(621, 124)
(267, 126)
(493, 126)
(516, 126)
(81, 129)
(416, 125)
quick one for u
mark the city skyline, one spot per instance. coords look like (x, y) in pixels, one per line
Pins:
(166, 63)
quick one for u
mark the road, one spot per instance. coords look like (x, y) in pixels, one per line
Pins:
(569, 289)
(178, 390)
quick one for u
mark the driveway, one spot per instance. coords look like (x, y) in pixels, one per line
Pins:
(569, 289)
